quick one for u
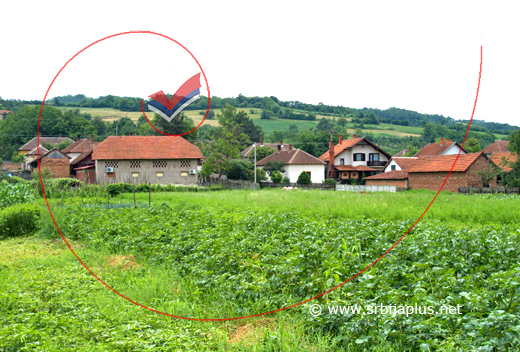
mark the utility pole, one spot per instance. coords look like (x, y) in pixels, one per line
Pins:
(255, 160)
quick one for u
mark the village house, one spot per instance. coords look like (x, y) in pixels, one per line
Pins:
(249, 151)
(445, 147)
(146, 159)
(496, 147)
(81, 164)
(56, 161)
(33, 143)
(33, 155)
(429, 172)
(354, 158)
(295, 162)
(498, 152)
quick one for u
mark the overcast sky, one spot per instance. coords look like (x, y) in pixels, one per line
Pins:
(412, 55)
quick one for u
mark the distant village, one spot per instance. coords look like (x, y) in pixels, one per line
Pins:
(174, 160)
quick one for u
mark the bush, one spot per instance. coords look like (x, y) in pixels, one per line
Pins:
(15, 179)
(304, 178)
(286, 180)
(64, 183)
(353, 181)
(18, 220)
(115, 189)
(330, 181)
(276, 177)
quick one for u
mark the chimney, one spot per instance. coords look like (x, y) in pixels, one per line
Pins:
(79, 137)
(442, 141)
(331, 159)
(354, 136)
(91, 138)
(290, 147)
(261, 142)
(447, 140)
(340, 139)
(281, 142)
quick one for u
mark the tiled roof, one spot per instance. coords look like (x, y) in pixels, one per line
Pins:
(390, 175)
(353, 168)
(33, 143)
(41, 149)
(81, 146)
(497, 159)
(498, 146)
(145, 147)
(291, 157)
(443, 163)
(2, 112)
(349, 143)
(404, 163)
(250, 149)
(436, 148)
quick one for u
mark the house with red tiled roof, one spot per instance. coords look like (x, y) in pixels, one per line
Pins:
(497, 146)
(275, 146)
(33, 155)
(4, 113)
(499, 157)
(33, 143)
(147, 159)
(80, 153)
(56, 161)
(430, 171)
(399, 163)
(354, 159)
(295, 162)
(444, 147)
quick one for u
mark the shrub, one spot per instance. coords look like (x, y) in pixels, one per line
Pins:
(276, 177)
(18, 220)
(353, 181)
(115, 189)
(64, 183)
(286, 180)
(15, 179)
(11, 194)
(304, 178)
(330, 181)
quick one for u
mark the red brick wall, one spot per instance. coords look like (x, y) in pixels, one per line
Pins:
(398, 183)
(434, 180)
(87, 176)
(58, 167)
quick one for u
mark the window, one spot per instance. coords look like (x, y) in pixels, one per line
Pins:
(373, 157)
(159, 163)
(111, 164)
(308, 173)
(342, 161)
(184, 173)
(359, 157)
(185, 163)
(135, 174)
(159, 174)
(135, 164)
(393, 167)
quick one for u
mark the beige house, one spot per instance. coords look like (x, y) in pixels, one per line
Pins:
(147, 159)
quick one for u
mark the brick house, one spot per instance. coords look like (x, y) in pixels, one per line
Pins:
(56, 161)
(146, 159)
(80, 153)
(295, 162)
(33, 155)
(429, 172)
(445, 147)
(353, 159)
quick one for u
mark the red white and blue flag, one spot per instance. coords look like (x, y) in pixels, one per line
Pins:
(184, 96)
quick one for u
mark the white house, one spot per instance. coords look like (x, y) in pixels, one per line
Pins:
(445, 147)
(295, 162)
(354, 158)
(399, 163)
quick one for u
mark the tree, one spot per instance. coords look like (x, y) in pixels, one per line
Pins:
(276, 177)
(179, 125)
(304, 178)
(272, 166)
(17, 158)
(238, 169)
(239, 121)
(412, 150)
(261, 152)
(472, 145)
(260, 175)
(514, 142)
(488, 174)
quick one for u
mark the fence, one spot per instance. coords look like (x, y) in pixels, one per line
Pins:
(465, 190)
(351, 188)
(231, 184)
(322, 186)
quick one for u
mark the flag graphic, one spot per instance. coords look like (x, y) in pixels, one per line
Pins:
(184, 96)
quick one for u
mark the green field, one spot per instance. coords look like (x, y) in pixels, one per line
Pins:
(233, 253)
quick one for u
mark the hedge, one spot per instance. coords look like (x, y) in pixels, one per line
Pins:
(19, 220)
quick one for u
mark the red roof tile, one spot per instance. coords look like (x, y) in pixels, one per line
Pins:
(145, 147)
(353, 168)
(349, 143)
(33, 143)
(404, 162)
(81, 146)
(498, 156)
(443, 163)
(291, 157)
(390, 175)
(250, 150)
(436, 148)
(498, 146)
(41, 149)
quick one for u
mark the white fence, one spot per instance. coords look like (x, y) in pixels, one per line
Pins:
(351, 188)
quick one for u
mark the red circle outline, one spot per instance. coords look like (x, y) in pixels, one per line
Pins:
(265, 313)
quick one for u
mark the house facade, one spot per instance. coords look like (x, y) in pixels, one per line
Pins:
(146, 159)
(56, 161)
(295, 162)
(390, 178)
(80, 153)
(354, 158)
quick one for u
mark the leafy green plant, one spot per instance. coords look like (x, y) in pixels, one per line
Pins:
(304, 178)
(286, 180)
(276, 177)
(330, 181)
(18, 193)
(18, 220)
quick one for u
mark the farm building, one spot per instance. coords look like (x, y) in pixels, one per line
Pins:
(354, 158)
(33, 143)
(429, 172)
(56, 161)
(80, 153)
(33, 155)
(147, 159)
(498, 158)
(295, 162)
